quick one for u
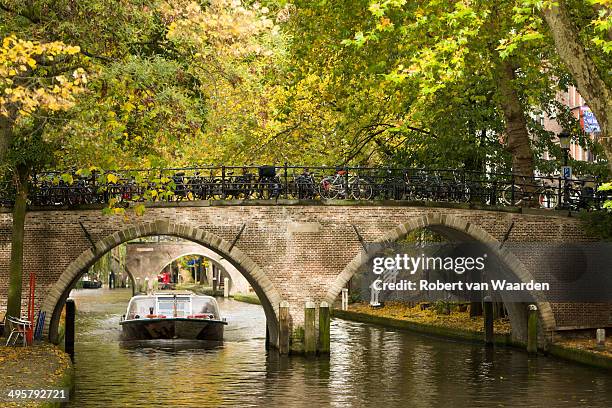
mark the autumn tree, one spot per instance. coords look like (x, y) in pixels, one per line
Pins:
(37, 81)
(582, 34)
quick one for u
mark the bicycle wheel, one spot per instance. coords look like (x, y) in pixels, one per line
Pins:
(361, 189)
(327, 188)
(213, 189)
(511, 192)
(548, 198)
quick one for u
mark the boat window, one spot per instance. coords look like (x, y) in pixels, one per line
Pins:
(205, 306)
(140, 307)
(165, 306)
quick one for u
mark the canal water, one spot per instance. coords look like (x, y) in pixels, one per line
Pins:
(369, 366)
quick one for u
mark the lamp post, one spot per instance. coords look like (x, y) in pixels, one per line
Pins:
(564, 141)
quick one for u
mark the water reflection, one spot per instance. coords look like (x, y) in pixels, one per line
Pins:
(170, 345)
(369, 366)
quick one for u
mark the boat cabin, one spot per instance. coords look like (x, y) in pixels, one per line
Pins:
(172, 305)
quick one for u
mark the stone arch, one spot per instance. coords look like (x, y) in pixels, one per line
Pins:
(269, 296)
(227, 266)
(455, 227)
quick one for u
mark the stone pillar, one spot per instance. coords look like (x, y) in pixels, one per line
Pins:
(226, 287)
(344, 298)
(600, 336)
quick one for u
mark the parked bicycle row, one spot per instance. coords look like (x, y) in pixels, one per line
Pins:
(310, 183)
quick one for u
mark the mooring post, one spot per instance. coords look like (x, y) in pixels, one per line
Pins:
(600, 335)
(532, 330)
(283, 330)
(344, 298)
(324, 323)
(488, 320)
(214, 280)
(310, 339)
(226, 287)
(69, 333)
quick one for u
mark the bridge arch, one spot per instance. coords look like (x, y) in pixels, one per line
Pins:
(457, 228)
(269, 296)
(234, 274)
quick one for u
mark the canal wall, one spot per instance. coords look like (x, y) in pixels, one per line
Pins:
(557, 350)
(423, 328)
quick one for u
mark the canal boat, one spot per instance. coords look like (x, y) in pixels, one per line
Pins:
(91, 282)
(173, 315)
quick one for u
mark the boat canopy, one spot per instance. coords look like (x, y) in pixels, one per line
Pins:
(172, 305)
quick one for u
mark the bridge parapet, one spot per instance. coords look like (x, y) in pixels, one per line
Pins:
(58, 189)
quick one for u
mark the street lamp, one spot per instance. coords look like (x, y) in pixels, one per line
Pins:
(564, 140)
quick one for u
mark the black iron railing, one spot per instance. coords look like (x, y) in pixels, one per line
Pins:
(307, 183)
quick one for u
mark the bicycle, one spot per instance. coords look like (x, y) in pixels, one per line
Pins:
(392, 187)
(304, 185)
(269, 184)
(530, 190)
(239, 187)
(341, 186)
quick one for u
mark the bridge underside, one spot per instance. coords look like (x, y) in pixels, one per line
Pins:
(146, 261)
(291, 252)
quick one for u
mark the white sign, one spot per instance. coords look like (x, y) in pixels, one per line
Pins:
(589, 122)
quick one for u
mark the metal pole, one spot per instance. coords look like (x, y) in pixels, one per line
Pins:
(346, 183)
(566, 198)
(69, 336)
(286, 182)
(223, 182)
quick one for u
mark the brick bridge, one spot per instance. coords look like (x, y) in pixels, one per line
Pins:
(290, 250)
(147, 259)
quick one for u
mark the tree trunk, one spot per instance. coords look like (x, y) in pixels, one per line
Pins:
(6, 136)
(588, 79)
(517, 135)
(17, 243)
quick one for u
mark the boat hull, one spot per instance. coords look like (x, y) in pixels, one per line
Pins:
(173, 328)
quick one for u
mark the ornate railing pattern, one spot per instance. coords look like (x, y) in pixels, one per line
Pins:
(307, 183)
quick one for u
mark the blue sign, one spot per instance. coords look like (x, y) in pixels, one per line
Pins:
(566, 171)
